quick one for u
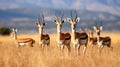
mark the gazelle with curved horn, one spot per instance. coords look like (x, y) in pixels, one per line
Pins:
(102, 41)
(63, 39)
(78, 38)
(44, 39)
(22, 41)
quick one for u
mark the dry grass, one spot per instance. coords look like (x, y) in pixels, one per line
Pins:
(11, 56)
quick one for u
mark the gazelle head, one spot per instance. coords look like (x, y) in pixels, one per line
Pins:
(73, 21)
(40, 24)
(14, 33)
(59, 22)
(98, 29)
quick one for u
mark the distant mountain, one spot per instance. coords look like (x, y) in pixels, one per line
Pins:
(24, 19)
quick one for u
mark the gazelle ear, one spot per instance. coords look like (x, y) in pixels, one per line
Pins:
(86, 29)
(16, 30)
(80, 29)
(101, 28)
(69, 20)
(44, 23)
(13, 29)
(36, 23)
(77, 19)
(95, 28)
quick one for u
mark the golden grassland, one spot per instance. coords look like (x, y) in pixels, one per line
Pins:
(12, 56)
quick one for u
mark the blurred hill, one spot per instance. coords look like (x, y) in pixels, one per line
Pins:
(24, 19)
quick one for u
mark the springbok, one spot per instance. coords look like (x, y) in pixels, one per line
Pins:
(63, 39)
(22, 41)
(102, 41)
(78, 38)
(44, 39)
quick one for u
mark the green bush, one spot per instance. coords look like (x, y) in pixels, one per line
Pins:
(5, 31)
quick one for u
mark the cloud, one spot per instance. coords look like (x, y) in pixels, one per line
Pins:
(64, 4)
(104, 8)
(76, 4)
(5, 5)
(20, 19)
(59, 3)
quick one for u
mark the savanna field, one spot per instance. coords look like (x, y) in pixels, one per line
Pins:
(12, 56)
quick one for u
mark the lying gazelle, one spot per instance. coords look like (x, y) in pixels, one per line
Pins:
(78, 38)
(102, 41)
(44, 39)
(63, 39)
(22, 41)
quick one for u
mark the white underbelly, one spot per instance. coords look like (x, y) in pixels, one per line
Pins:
(23, 44)
(83, 41)
(46, 42)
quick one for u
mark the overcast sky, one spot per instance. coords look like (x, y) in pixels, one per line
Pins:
(60, 4)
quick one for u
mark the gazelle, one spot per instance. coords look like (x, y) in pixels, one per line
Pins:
(63, 39)
(91, 39)
(44, 39)
(102, 41)
(78, 38)
(22, 41)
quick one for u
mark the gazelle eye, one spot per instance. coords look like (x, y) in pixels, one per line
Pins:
(43, 23)
(62, 21)
(68, 19)
(36, 23)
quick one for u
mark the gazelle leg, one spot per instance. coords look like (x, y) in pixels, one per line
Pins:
(91, 44)
(62, 47)
(48, 45)
(69, 49)
(74, 46)
(31, 45)
(43, 45)
(78, 48)
(84, 50)
(40, 43)
(111, 48)
(101, 46)
(18, 45)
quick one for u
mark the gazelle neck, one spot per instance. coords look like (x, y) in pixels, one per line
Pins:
(15, 35)
(40, 33)
(59, 33)
(91, 34)
(73, 34)
(98, 37)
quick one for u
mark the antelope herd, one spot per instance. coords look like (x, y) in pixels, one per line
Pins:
(77, 38)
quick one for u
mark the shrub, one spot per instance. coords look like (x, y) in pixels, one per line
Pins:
(5, 31)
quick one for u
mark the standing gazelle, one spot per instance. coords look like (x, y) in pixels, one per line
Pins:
(22, 41)
(44, 39)
(91, 39)
(63, 39)
(102, 41)
(78, 38)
